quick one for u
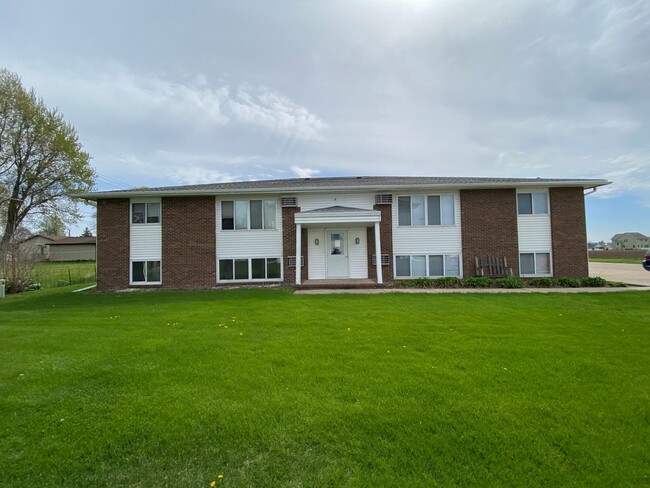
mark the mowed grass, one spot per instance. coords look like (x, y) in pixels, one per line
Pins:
(617, 260)
(61, 273)
(268, 388)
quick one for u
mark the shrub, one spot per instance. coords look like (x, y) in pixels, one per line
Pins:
(569, 282)
(595, 281)
(447, 282)
(544, 283)
(616, 284)
(422, 282)
(478, 282)
(511, 282)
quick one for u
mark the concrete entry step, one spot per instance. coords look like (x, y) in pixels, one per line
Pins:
(341, 284)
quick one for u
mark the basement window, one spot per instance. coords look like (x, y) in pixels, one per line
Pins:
(145, 273)
(535, 264)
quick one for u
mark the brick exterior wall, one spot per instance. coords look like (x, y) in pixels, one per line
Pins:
(289, 246)
(113, 243)
(188, 243)
(489, 227)
(386, 237)
(569, 231)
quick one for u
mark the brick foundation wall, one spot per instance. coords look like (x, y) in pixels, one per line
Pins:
(188, 243)
(289, 246)
(489, 227)
(569, 232)
(386, 236)
(113, 243)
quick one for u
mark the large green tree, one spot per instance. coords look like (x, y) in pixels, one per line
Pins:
(42, 162)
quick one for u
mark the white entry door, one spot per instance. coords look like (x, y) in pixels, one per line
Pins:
(337, 255)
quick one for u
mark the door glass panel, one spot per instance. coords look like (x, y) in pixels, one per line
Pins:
(337, 244)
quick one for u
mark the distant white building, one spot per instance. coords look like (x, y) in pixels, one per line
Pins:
(630, 240)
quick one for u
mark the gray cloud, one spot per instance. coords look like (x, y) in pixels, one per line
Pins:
(163, 93)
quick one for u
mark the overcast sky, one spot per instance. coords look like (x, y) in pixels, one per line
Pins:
(166, 93)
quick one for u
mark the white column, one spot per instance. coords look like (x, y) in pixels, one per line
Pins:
(298, 251)
(380, 278)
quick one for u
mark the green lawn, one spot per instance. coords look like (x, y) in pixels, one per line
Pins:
(54, 274)
(618, 260)
(274, 389)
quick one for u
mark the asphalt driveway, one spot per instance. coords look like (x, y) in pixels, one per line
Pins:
(632, 274)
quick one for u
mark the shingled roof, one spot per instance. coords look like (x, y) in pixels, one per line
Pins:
(342, 183)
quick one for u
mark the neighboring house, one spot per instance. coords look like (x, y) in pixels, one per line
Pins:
(59, 248)
(630, 240)
(373, 228)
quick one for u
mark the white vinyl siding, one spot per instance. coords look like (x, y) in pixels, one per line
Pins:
(428, 239)
(249, 243)
(317, 254)
(324, 200)
(358, 253)
(145, 240)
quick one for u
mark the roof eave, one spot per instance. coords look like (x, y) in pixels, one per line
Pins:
(586, 184)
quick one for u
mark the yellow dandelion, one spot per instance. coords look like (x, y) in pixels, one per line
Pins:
(219, 476)
(213, 484)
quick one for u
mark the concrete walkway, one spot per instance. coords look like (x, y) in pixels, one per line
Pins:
(632, 274)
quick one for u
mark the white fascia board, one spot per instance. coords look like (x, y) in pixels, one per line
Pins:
(338, 217)
(586, 184)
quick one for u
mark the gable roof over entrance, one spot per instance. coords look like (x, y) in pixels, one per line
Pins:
(337, 215)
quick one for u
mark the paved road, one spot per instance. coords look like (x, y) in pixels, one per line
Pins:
(633, 274)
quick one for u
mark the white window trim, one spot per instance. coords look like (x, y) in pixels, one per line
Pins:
(143, 283)
(533, 214)
(426, 211)
(250, 269)
(426, 266)
(248, 215)
(145, 201)
(537, 275)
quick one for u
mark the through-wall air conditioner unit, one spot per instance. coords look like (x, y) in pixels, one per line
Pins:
(383, 199)
(289, 202)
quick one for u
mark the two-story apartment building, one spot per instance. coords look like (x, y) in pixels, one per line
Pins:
(307, 230)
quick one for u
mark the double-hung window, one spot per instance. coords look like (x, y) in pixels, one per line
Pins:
(426, 210)
(145, 213)
(248, 214)
(535, 203)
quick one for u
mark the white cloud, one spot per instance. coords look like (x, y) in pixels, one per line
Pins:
(275, 112)
(629, 173)
(304, 172)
